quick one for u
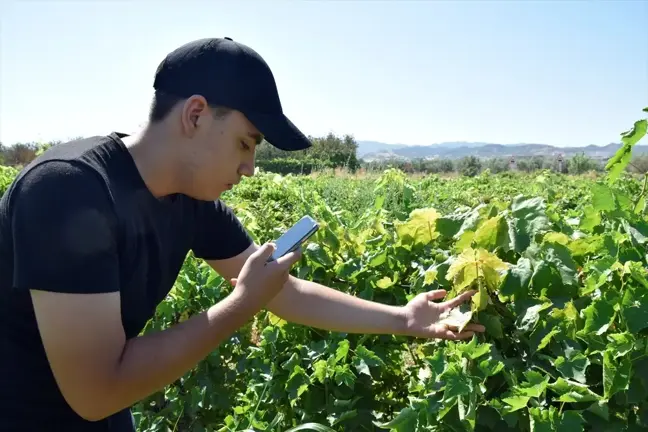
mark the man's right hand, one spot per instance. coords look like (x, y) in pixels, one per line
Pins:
(259, 280)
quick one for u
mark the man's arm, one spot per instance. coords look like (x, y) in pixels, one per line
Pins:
(65, 254)
(99, 372)
(309, 303)
(316, 305)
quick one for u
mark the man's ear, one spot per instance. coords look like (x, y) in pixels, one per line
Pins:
(193, 110)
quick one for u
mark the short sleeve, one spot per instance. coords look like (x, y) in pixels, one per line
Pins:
(218, 232)
(63, 229)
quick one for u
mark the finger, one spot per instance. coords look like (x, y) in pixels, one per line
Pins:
(453, 303)
(287, 261)
(475, 327)
(233, 281)
(462, 335)
(435, 294)
(453, 335)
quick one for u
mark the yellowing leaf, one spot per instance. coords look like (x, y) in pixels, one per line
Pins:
(275, 320)
(480, 300)
(492, 233)
(473, 264)
(430, 276)
(420, 228)
(465, 240)
(384, 283)
(557, 237)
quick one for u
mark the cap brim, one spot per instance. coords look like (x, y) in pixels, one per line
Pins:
(279, 131)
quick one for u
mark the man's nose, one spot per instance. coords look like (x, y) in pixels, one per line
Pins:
(247, 169)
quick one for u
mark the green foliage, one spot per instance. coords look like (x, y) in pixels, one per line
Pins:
(7, 175)
(292, 166)
(620, 160)
(580, 164)
(469, 166)
(329, 151)
(559, 264)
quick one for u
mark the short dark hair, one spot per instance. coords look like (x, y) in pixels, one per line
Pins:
(163, 103)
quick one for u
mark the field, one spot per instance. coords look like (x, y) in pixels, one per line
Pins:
(560, 266)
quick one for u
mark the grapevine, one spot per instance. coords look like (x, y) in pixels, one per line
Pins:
(559, 264)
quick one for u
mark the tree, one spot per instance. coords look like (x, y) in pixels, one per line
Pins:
(469, 166)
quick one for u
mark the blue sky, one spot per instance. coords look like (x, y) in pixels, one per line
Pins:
(420, 72)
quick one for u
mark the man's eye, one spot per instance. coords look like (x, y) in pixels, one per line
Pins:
(245, 146)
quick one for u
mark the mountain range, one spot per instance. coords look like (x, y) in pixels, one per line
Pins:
(373, 150)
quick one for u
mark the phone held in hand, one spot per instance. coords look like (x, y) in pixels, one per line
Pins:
(294, 237)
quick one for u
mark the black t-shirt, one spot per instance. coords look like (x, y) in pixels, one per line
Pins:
(79, 219)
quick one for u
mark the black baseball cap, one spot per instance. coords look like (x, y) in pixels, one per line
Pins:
(233, 75)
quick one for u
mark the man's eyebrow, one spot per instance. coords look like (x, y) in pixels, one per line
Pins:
(258, 138)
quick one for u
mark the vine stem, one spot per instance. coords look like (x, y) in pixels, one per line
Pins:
(414, 358)
(643, 189)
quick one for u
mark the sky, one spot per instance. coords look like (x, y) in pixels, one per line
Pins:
(564, 73)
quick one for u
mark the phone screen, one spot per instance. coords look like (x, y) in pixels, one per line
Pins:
(296, 235)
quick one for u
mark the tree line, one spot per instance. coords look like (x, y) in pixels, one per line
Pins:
(340, 152)
(471, 165)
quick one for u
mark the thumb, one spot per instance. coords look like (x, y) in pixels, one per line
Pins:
(263, 253)
(233, 281)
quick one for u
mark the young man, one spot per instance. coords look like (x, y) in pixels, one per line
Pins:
(94, 232)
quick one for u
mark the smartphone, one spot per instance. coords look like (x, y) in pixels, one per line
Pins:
(294, 237)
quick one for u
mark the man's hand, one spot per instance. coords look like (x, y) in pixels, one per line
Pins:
(423, 316)
(259, 280)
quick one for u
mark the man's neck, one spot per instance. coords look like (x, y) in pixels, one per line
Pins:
(151, 153)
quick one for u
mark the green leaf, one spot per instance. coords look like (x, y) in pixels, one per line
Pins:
(316, 253)
(473, 349)
(516, 282)
(571, 391)
(598, 317)
(342, 350)
(622, 157)
(344, 375)
(456, 382)
(405, 420)
(320, 370)
(591, 218)
(528, 219)
(574, 367)
(561, 258)
(531, 315)
(616, 373)
(534, 385)
(602, 198)
(492, 323)
(297, 384)
(635, 307)
(448, 226)
(516, 402)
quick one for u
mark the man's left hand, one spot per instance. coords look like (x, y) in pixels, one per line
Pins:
(423, 316)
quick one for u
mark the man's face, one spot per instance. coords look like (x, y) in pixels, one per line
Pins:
(222, 152)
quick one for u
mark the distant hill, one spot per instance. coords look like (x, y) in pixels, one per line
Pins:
(366, 147)
(372, 150)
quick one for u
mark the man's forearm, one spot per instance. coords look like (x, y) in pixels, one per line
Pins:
(315, 305)
(152, 361)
